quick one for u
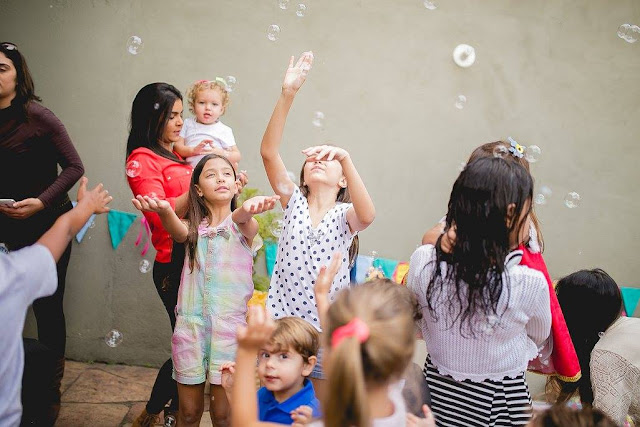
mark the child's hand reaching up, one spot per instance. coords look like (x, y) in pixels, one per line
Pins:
(259, 204)
(258, 330)
(97, 199)
(301, 416)
(148, 204)
(323, 285)
(297, 74)
(227, 369)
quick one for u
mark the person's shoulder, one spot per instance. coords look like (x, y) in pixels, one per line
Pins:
(221, 126)
(528, 274)
(142, 153)
(424, 253)
(41, 114)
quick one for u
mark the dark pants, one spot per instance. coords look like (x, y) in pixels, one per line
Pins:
(166, 277)
(38, 380)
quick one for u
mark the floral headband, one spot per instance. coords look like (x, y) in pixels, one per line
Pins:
(516, 149)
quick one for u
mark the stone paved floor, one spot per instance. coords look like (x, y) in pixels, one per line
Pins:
(101, 395)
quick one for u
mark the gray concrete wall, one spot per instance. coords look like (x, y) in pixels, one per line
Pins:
(551, 73)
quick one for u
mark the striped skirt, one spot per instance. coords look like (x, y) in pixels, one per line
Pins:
(506, 402)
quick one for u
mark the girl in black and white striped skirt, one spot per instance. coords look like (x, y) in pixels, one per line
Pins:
(484, 315)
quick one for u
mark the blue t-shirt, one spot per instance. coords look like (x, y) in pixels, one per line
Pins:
(269, 409)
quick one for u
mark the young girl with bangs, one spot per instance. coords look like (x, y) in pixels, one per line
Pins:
(321, 216)
(484, 314)
(216, 281)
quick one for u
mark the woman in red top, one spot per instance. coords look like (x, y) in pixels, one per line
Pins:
(154, 169)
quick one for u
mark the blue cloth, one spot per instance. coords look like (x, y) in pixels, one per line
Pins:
(269, 409)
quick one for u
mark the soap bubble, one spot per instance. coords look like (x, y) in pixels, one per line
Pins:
(318, 119)
(132, 168)
(230, 82)
(283, 4)
(540, 199)
(461, 100)
(170, 421)
(145, 266)
(464, 55)
(532, 153)
(302, 9)
(113, 338)
(430, 5)
(546, 191)
(292, 176)
(374, 255)
(572, 200)
(156, 106)
(92, 224)
(134, 45)
(629, 33)
(500, 151)
(273, 32)
(276, 229)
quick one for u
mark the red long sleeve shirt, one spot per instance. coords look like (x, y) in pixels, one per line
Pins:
(163, 178)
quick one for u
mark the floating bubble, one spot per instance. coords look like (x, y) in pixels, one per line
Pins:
(540, 199)
(113, 338)
(93, 224)
(464, 55)
(170, 421)
(461, 100)
(230, 83)
(462, 166)
(276, 229)
(500, 151)
(156, 106)
(430, 5)
(301, 10)
(532, 153)
(292, 176)
(132, 168)
(374, 255)
(283, 4)
(273, 32)
(318, 119)
(629, 33)
(572, 200)
(145, 266)
(134, 45)
(544, 189)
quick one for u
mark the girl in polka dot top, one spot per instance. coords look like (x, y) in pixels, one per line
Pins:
(321, 216)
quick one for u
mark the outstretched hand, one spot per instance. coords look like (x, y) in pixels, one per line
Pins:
(258, 330)
(427, 421)
(98, 198)
(150, 204)
(259, 204)
(227, 370)
(323, 284)
(325, 152)
(297, 74)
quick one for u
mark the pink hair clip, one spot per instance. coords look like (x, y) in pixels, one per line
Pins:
(202, 81)
(355, 328)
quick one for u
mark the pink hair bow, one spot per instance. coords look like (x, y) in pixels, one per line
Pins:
(355, 328)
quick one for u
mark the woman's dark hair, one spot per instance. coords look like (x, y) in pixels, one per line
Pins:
(590, 301)
(487, 150)
(561, 416)
(197, 210)
(478, 209)
(150, 113)
(342, 197)
(25, 91)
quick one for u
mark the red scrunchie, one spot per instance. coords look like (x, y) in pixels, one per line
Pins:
(355, 328)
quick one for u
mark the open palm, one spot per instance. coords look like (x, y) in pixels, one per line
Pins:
(297, 74)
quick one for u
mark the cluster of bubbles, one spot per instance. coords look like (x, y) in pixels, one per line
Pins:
(134, 45)
(113, 338)
(629, 33)
(318, 119)
(273, 32)
(145, 266)
(132, 168)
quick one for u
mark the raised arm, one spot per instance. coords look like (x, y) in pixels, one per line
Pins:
(362, 214)
(269, 149)
(170, 221)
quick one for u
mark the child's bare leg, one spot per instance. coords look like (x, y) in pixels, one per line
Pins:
(191, 404)
(219, 409)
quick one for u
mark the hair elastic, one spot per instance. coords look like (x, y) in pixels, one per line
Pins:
(355, 328)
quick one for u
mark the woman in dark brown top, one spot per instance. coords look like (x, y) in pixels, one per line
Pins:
(33, 142)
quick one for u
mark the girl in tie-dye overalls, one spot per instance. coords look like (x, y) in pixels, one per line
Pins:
(216, 281)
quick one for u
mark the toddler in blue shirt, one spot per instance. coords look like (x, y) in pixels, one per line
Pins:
(284, 364)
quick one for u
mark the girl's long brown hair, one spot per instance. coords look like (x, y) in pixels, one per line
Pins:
(487, 150)
(389, 310)
(342, 197)
(197, 210)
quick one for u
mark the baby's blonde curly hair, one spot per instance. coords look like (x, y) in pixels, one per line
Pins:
(200, 85)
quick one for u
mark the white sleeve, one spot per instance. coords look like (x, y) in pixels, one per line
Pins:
(185, 128)
(30, 271)
(417, 279)
(229, 138)
(615, 384)
(539, 325)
